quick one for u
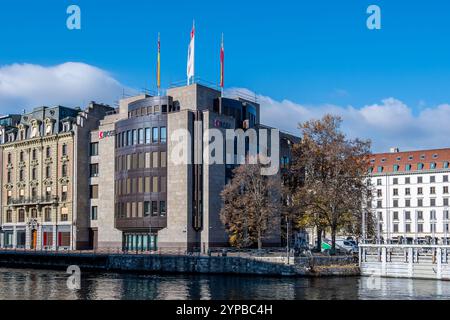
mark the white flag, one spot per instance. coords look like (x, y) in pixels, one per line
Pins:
(191, 57)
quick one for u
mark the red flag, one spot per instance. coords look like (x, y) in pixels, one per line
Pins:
(222, 65)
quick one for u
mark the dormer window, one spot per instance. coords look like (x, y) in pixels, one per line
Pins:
(34, 129)
(66, 126)
(49, 126)
(11, 137)
(48, 129)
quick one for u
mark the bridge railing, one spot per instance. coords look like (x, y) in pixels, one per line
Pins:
(405, 260)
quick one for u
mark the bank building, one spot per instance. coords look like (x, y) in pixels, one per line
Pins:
(103, 177)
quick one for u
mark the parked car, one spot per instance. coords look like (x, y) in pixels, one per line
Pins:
(349, 246)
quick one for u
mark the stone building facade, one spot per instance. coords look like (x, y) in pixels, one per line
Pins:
(45, 198)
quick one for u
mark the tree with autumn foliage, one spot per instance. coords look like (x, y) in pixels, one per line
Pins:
(250, 206)
(334, 190)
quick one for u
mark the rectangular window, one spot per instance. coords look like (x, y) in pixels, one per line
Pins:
(407, 191)
(9, 216)
(432, 190)
(148, 160)
(93, 168)
(94, 192)
(155, 161)
(420, 190)
(93, 149)
(47, 238)
(154, 208)
(64, 170)
(445, 202)
(395, 203)
(148, 136)
(419, 179)
(407, 180)
(163, 159)
(163, 184)
(135, 137)
(395, 215)
(395, 192)
(48, 214)
(395, 181)
(163, 135)
(379, 182)
(432, 179)
(419, 202)
(64, 214)
(380, 193)
(379, 204)
(64, 239)
(420, 227)
(407, 203)
(407, 227)
(445, 178)
(146, 208)
(419, 215)
(395, 227)
(141, 160)
(445, 189)
(155, 135)
(94, 213)
(432, 202)
(141, 136)
(64, 193)
(162, 208)
(407, 215)
(155, 184)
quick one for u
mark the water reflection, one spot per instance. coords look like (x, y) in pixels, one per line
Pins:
(37, 284)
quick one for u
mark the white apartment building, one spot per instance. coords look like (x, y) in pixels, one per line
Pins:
(411, 196)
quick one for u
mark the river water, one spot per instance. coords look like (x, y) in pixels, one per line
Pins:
(40, 284)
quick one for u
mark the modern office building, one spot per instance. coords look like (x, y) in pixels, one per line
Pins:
(106, 178)
(44, 186)
(160, 203)
(411, 195)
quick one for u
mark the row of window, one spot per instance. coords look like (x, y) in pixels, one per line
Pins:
(141, 136)
(396, 203)
(419, 180)
(418, 215)
(34, 197)
(410, 158)
(395, 191)
(420, 228)
(63, 239)
(33, 214)
(129, 186)
(34, 154)
(141, 209)
(34, 173)
(409, 167)
(143, 160)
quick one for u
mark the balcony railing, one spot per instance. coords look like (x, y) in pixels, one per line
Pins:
(32, 201)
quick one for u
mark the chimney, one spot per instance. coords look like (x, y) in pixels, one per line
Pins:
(394, 150)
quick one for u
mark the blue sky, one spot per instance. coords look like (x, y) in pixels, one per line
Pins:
(313, 53)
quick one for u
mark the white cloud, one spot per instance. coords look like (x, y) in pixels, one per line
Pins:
(25, 86)
(390, 123)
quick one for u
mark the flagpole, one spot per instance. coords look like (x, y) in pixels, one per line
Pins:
(158, 80)
(222, 66)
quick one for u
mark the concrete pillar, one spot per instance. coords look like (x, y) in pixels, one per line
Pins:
(410, 262)
(14, 237)
(360, 256)
(439, 263)
(55, 238)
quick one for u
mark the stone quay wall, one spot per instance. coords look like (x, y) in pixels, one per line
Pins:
(155, 263)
